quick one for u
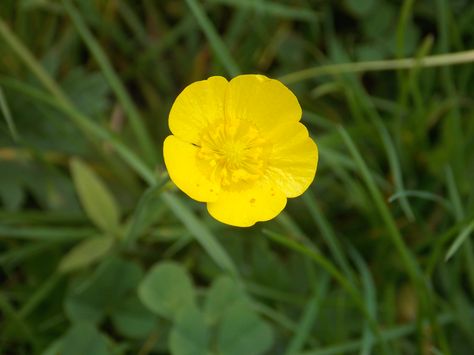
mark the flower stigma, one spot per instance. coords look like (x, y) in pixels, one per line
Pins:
(232, 152)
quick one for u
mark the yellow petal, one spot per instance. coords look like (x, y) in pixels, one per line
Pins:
(180, 160)
(262, 101)
(244, 207)
(196, 107)
(294, 158)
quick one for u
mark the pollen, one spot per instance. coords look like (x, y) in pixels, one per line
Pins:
(232, 152)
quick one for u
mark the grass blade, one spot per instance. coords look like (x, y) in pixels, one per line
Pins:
(407, 258)
(380, 65)
(87, 125)
(329, 267)
(327, 233)
(460, 239)
(308, 318)
(8, 116)
(137, 220)
(202, 234)
(271, 9)
(216, 42)
(26, 56)
(141, 133)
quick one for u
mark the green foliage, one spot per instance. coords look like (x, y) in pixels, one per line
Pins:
(166, 289)
(99, 254)
(190, 334)
(242, 332)
(85, 253)
(83, 338)
(97, 201)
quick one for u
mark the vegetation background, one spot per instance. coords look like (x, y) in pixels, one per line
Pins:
(99, 254)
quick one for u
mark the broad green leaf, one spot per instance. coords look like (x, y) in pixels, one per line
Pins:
(224, 293)
(243, 332)
(95, 296)
(133, 320)
(190, 335)
(85, 253)
(83, 338)
(166, 289)
(98, 202)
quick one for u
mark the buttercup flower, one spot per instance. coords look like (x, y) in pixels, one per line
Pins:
(239, 146)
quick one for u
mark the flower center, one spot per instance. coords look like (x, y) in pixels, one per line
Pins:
(232, 152)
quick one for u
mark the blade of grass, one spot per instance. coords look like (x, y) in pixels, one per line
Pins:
(407, 258)
(392, 229)
(272, 9)
(133, 22)
(380, 65)
(8, 116)
(39, 295)
(468, 252)
(460, 239)
(26, 56)
(215, 41)
(391, 334)
(88, 126)
(370, 299)
(138, 127)
(204, 237)
(11, 314)
(308, 317)
(137, 219)
(12, 258)
(60, 101)
(426, 195)
(56, 234)
(333, 271)
(327, 233)
(395, 168)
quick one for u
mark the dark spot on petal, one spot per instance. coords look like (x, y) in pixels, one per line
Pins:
(252, 200)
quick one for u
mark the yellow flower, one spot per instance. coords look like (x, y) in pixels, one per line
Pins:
(239, 146)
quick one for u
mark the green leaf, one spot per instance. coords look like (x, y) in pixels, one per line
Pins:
(243, 332)
(85, 253)
(133, 320)
(166, 289)
(96, 199)
(190, 335)
(224, 293)
(84, 338)
(95, 296)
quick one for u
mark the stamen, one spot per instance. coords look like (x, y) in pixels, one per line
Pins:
(232, 152)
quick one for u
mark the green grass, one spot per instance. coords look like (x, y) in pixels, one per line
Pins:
(375, 258)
